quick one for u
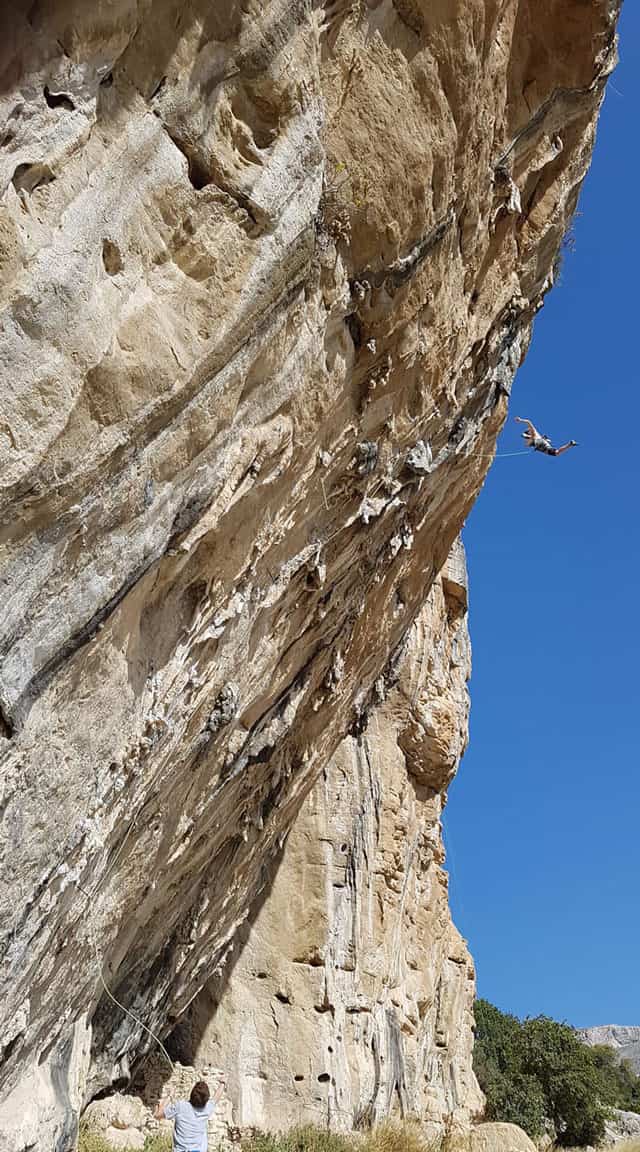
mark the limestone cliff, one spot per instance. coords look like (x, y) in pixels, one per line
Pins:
(266, 272)
(351, 993)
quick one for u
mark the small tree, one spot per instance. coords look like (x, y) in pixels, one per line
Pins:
(538, 1074)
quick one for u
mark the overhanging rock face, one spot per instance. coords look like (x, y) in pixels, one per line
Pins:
(266, 272)
(349, 995)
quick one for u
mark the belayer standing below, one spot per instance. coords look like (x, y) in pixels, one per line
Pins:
(540, 443)
(190, 1117)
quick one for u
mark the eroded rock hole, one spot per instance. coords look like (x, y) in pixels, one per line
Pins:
(355, 329)
(10, 1048)
(324, 1078)
(6, 724)
(28, 177)
(283, 998)
(58, 99)
(198, 174)
(298, 1078)
(111, 257)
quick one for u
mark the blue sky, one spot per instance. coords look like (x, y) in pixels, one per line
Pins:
(542, 827)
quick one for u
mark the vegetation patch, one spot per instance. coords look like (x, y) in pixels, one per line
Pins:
(90, 1141)
(388, 1137)
(538, 1074)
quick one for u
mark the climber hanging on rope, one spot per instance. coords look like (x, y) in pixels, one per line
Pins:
(540, 443)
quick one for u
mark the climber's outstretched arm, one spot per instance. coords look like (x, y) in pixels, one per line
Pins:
(159, 1112)
(532, 428)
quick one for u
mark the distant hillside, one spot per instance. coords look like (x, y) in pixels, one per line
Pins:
(625, 1041)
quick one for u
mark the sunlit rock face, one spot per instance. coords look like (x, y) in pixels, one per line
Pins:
(349, 995)
(266, 272)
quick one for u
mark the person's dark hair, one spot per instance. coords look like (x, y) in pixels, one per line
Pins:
(199, 1094)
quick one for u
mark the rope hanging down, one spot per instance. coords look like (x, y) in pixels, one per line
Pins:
(109, 993)
(128, 1012)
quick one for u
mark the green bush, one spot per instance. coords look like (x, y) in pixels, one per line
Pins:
(621, 1084)
(538, 1074)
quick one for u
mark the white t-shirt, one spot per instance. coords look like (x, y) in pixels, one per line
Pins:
(190, 1125)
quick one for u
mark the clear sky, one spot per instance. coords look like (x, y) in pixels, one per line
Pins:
(543, 824)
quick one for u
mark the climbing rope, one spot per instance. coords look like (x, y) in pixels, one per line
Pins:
(94, 945)
(132, 1015)
(498, 455)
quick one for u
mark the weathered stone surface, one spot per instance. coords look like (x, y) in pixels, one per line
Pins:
(116, 1111)
(122, 1121)
(499, 1138)
(236, 241)
(622, 1126)
(350, 993)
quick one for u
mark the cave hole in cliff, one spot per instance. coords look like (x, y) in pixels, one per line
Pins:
(324, 1078)
(58, 99)
(283, 998)
(198, 175)
(298, 1078)
(28, 177)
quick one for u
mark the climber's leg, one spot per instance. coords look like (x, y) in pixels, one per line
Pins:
(564, 448)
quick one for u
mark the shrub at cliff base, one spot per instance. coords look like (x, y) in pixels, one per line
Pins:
(538, 1074)
(389, 1137)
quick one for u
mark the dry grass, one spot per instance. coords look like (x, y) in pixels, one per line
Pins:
(623, 1146)
(388, 1137)
(397, 1137)
(307, 1139)
(627, 1146)
(93, 1142)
